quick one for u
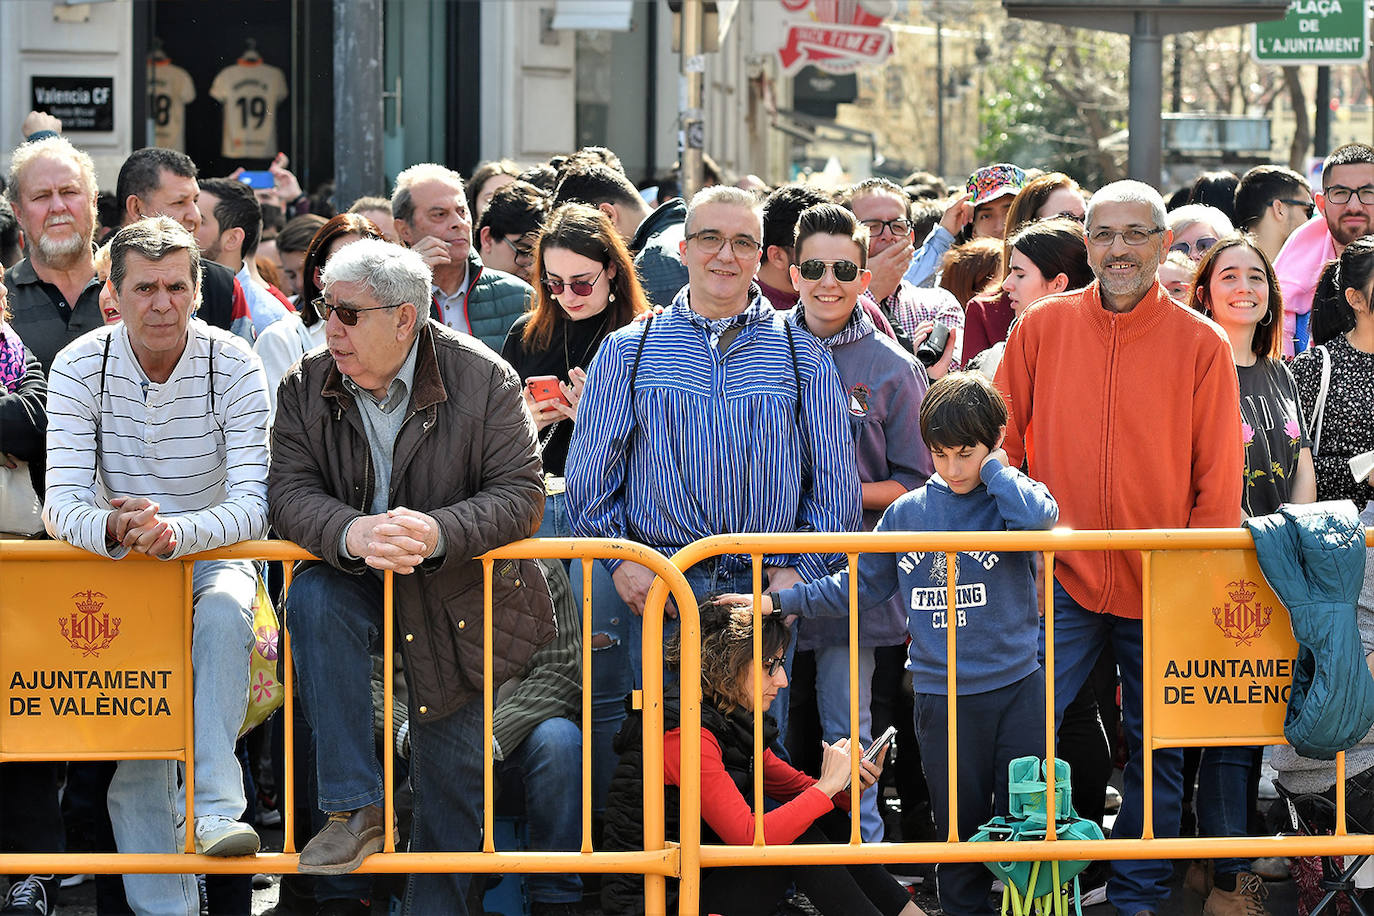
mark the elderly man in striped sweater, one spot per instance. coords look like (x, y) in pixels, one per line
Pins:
(157, 443)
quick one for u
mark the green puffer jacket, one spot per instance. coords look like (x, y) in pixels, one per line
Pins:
(493, 302)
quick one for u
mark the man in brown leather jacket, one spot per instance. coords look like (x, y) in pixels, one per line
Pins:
(405, 447)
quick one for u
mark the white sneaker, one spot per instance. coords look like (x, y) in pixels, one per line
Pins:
(217, 835)
(75, 880)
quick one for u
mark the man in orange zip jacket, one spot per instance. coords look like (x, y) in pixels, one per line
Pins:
(1126, 405)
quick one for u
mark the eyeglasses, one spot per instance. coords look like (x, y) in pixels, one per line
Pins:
(713, 243)
(814, 269)
(771, 665)
(347, 314)
(522, 254)
(1339, 194)
(1200, 246)
(1133, 236)
(897, 226)
(1307, 206)
(579, 287)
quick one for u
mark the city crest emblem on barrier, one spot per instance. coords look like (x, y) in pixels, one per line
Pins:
(90, 628)
(1242, 618)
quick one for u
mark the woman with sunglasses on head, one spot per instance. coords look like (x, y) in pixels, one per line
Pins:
(282, 344)
(585, 288)
(1196, 228)
(1236, 287)
(811, 810)
(1346, 409)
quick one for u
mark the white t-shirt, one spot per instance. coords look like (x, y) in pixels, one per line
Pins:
(171, 90)
(250, 92)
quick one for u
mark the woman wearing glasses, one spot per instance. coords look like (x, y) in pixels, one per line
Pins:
(810, 811)
(282, 344)
(585, 288)
(1196, 228)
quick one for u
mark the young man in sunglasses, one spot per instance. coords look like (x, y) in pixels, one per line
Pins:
(884, 387)
(1271, 203)
(1347, 208)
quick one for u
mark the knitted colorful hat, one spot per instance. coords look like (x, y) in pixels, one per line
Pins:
(994, 181)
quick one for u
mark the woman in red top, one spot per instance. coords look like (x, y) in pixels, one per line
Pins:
(811, 810)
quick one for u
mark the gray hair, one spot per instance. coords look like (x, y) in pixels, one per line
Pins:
(724, 194)
(1129, 192)
(402, 207)
(393, 274)
(153, 238)
(1214, 219)
(50, 147)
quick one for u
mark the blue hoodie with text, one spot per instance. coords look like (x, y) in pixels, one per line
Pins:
(999, 624)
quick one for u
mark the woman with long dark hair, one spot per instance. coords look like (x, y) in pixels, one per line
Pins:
(585, 288)
(1345, 410)
(1236, 287)
(1045, 257)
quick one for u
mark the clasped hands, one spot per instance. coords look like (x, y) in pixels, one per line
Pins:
(399, 539)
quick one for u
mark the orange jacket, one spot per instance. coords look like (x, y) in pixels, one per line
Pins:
(1132, 420)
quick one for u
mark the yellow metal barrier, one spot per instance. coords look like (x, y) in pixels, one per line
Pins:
(1225, 554)
(1170, 556)
(147, 594)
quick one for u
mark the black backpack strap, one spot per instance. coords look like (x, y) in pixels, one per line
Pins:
(796, 369)
(639, 354)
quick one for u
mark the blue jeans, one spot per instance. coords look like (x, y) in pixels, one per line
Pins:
(144, 799)
(832, 698)
(335, 622)
(1222, 799)
(995, 728)
(556, 523)
(615, 659)
(549, 762)
(1079, 637)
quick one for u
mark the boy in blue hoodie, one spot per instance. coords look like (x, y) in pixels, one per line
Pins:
(1001, 685)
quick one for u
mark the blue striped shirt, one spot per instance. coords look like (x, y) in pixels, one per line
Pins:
(710, 443)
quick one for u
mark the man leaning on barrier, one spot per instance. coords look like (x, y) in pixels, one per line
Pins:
(404, 446)
(160, 390)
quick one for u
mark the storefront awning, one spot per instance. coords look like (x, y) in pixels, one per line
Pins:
(604, 15)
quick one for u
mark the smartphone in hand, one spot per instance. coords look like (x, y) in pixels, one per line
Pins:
(545, 387)
(878, 748)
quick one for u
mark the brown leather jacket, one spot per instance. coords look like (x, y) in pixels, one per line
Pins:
(466, 456)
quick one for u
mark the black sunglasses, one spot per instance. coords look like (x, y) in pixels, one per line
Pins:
(579, 287)
(347, 314)
(1307, 206)
(771, 665)
(814, 269)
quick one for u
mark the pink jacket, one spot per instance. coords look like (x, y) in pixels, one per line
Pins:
(1298, 266)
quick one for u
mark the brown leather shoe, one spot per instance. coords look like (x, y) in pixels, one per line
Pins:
(348, 838)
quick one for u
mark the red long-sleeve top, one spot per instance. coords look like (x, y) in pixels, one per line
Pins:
(725, 810)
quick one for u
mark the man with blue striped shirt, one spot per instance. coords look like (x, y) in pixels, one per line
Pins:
(709, 419)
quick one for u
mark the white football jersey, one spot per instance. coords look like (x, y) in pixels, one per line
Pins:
(171, 90)
(250, 93)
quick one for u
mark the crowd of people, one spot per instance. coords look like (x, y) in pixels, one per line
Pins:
(537, 351)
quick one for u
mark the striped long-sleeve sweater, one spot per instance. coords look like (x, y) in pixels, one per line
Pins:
(201, 455)
(713, 442)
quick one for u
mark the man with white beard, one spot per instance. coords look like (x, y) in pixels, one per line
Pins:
(54, 292)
